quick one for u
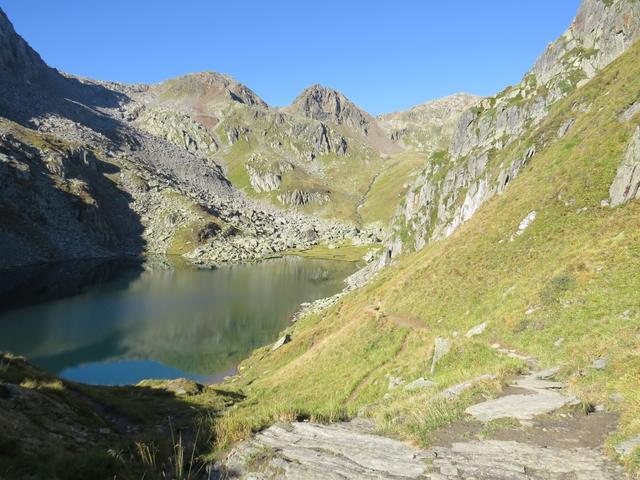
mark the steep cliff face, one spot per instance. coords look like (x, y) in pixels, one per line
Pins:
(482, 158)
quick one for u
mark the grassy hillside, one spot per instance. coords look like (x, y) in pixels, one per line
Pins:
(572, 275)
(389, 187)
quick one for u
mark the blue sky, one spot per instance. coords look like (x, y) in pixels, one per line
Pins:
(384, 55)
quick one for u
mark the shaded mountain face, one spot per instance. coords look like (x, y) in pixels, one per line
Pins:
(18, 61)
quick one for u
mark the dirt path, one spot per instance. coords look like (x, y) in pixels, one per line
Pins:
(358, 388)
(403, 321)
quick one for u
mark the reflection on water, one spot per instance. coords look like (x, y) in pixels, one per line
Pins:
(115, 323)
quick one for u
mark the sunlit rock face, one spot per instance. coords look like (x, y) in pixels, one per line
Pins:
(451, 189)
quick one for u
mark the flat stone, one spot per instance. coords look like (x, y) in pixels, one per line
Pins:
(307, 451)
(519, 406)
(509, 460)
(540, 397)
(312, 451)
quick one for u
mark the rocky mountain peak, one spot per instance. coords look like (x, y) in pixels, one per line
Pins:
(328, 105)
(18, 61)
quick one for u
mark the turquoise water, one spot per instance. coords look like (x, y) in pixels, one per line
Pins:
(120, 322)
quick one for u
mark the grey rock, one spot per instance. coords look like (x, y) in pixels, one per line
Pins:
(419, 384)
(541, 397)
(616, 397)
(509, 460)
(626, 185)
(307, 451)
(281, 341)
(599, 363)
(627, 447)
(565, 127)
(459, 388)
(630, 112)
(442, 346)
(477, 330)
(302, 197)
(179, 129)
(524, 224)
(395, 382)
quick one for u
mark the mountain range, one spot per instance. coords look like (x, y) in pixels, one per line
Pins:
(501, 234)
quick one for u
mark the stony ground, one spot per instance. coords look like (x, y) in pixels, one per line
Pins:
(542, 437)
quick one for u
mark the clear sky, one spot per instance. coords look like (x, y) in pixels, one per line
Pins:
(384, 55)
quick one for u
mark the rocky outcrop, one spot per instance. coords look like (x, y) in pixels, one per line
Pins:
(178, 129)
(626, 185)
(354, 450)
(328, 105)
(263, 182)
(298, 198)
(264, 176)
(451, 189)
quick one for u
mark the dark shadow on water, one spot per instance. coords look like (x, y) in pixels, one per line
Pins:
(35, 284)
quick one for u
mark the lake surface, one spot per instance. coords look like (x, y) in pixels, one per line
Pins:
(120, 322)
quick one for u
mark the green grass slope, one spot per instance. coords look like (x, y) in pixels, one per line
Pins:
(389, 187)
(572, 275)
